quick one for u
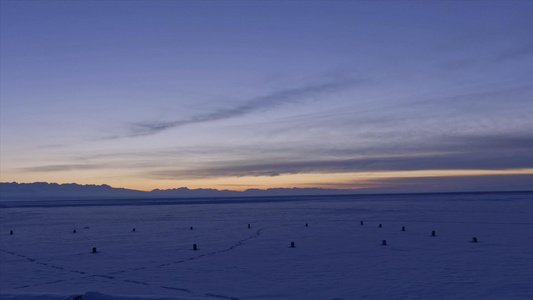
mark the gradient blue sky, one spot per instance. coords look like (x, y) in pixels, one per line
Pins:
(397, 96)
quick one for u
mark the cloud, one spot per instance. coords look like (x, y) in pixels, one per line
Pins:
(439, 152)
(501, 144)
(518, 52)
(466, 161)
(65, 167)
(518, 182)
(266, 102)
(52, 146)
(467, 152)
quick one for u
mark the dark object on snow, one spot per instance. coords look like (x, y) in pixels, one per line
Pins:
(80, 297)
(306, 225)
(11, 232)
(249, 226)
(403, 228)
(433, 233)
(292, 244)
(74, 231)
(133, 229)
(380, 225)
(191, 228)
(384, 243)
(94, 249)
(474, 240)
(194, 247)
(361, 222)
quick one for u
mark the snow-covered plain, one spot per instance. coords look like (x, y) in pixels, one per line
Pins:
(335, 257)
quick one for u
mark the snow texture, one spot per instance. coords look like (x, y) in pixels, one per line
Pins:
(335, 257)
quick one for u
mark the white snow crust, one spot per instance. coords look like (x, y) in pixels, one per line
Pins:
(334, 256)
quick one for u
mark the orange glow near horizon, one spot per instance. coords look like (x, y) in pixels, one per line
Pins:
(313, 180)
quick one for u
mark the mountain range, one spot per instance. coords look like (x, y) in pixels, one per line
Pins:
(73, 191)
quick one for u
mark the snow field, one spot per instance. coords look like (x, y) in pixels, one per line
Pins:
(334, 257)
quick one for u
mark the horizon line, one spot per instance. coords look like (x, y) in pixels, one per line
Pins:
(367, 191)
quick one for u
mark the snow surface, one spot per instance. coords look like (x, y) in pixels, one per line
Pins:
(334, 257)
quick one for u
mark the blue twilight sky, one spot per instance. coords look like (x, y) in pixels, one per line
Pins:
(396, 96)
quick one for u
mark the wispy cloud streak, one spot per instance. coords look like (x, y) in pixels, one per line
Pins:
(65, 167)
(273, 100)
(518, 52)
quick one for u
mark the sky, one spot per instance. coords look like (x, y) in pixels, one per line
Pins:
(388, 96)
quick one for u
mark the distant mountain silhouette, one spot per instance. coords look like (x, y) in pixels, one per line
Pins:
(72, 191)
(44, 190)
